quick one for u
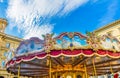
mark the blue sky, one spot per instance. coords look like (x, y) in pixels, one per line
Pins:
(28, 18)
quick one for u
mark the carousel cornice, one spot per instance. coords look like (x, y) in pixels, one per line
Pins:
(92, 46)
(67, 45)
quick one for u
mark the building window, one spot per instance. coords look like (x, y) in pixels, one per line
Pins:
(119, 29)
(7, 45)
(109, 33)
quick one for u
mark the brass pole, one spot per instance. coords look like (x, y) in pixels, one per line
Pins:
(85, 70)
(94, 67)
(56, 74)
(19, 71)
(93, 74)
(74, 75)
(50, 68)
(10, 75)
(111, 68)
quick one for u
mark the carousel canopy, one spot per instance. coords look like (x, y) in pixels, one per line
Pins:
(67, 51)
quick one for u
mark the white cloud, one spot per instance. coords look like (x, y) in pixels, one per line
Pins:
(1, 0)
(38, 31)
(32, 17)
(94, 1)
(109, 15)
(71, 5)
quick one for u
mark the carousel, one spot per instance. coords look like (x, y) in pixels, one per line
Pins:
(69, 55)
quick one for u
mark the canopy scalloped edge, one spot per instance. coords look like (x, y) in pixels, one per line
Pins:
(68, 53)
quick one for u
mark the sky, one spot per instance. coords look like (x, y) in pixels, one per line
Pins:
(33, 18)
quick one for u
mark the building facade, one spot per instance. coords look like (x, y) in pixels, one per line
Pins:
(8, 44)
(110, 29)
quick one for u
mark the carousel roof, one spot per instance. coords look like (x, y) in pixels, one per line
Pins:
(67, 51)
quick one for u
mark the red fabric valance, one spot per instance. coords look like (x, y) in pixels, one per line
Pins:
(68, 53)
